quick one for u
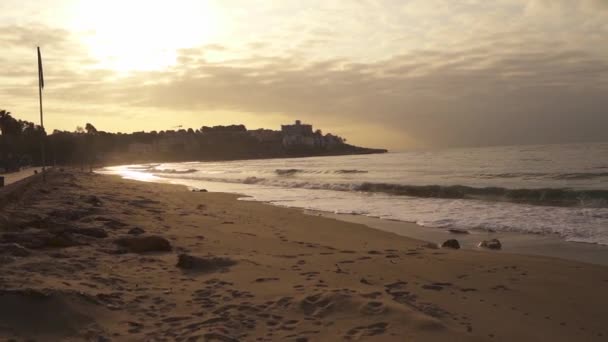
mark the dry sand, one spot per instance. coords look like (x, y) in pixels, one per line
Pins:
(70, 270)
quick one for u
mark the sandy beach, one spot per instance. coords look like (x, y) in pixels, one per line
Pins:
(99, 258)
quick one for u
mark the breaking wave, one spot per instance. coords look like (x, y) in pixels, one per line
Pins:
(286, 172)
(547, 196)
(172, 171)
(541, 175)
(289, 172)
(562, 197)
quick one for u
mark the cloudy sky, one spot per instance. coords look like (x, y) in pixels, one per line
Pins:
(387, 73)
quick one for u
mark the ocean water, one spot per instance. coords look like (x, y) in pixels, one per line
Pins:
(543, 189)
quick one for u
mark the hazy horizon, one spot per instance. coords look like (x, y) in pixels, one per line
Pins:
(395, 74)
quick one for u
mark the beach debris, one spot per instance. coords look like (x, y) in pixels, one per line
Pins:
(451, 243)
(199, 190)
(490, 244)
(15, 249)
(136, 231)
(143, 244)
(365, 281)
(458, 231)
(190, 262)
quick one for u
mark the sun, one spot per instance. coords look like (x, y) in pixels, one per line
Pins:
(132, 35)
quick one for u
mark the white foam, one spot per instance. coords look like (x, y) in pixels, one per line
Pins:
(319, 185)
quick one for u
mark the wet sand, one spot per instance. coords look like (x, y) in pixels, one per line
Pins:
(92, 257)
(515, 243)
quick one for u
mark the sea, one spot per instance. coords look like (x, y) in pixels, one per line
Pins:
(560, 190)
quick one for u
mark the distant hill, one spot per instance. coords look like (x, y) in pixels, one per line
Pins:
(20, 143)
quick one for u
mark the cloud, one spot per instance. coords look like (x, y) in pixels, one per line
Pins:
(477, 97)
(433, 72)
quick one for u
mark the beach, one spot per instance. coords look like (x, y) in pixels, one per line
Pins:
(99, 258)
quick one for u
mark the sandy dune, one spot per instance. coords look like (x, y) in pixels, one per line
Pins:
(90, 257)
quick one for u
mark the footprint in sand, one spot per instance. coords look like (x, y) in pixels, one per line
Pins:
(348, 252)
(264, 280)
(373, 308)
(366, 331)
(372, 295)
(315, 305)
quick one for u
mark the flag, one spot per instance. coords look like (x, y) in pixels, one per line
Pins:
(40, 73)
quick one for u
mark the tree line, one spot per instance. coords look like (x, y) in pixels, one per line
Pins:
(21, 143)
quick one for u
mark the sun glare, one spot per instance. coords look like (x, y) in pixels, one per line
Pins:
(135, 35)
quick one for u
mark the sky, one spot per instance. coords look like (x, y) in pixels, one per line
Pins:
(398, 74)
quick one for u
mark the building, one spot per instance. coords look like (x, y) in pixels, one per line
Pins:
(297, 129)
(298, 135)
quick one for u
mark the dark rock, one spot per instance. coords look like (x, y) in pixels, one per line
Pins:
(92, 232)
(189, 262)
(15, 249)
(490, 244)
(458, 231)
(451, 243)
(136, 231)
(61, 240)
(92, 200)
(143, 244)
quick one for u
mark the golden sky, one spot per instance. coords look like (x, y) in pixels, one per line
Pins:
(384, 73)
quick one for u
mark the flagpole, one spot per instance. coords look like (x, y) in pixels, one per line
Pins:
(40, 85)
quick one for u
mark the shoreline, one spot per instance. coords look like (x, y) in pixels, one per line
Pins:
(521, 243)
(512, 242)
(107, 256)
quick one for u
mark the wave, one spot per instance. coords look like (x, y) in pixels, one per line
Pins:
(557, 176)
(581, 175)
(561, 197)
(142, 167)
(289, 172)
(546, 196)
(173, 171)
(351, 171)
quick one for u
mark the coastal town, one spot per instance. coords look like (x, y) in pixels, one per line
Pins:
(295, 136)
